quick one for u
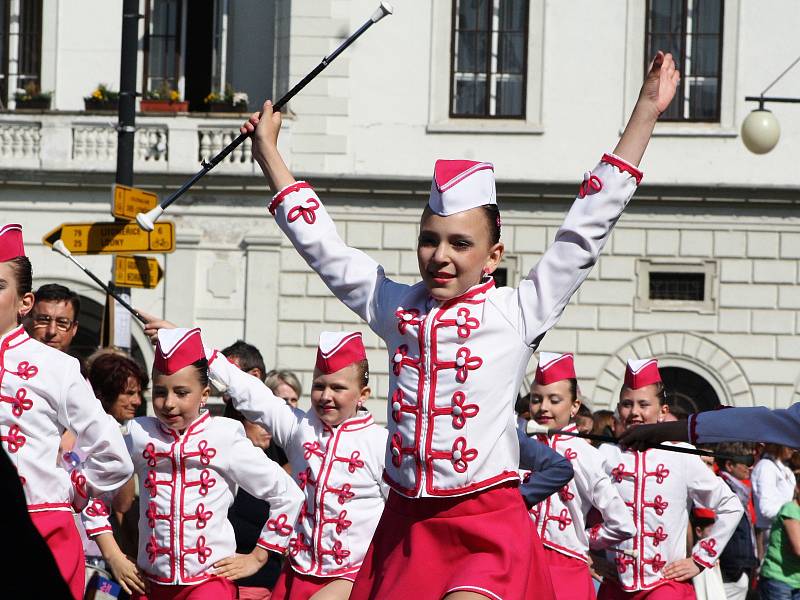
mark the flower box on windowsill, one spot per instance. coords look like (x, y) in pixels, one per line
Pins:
(226, 107)
(33, 104)
(163, 106)
(94, 105)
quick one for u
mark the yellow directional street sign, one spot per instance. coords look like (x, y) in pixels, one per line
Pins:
(110, 238)
(137, 271)
(130, 201)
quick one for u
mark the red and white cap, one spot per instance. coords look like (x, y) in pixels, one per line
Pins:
(700, 512)
(460, 185)
(554, 367)
(11, 245)
(339, 349)
(639, 373)
(177, 348)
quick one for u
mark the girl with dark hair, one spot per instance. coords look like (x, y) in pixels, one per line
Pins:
(42, 394)
(190, 465)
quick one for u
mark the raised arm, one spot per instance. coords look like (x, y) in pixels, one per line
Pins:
(107, 465)
(254, 399)
(550, 470)
(352, 276)
(602, 197)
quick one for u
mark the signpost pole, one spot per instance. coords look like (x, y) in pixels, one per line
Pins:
(121, 330)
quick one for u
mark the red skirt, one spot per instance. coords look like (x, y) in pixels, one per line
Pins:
(426, 548)
(214, 588)
(299, 586)
(670, 590)
(571, 577)
(57, 527)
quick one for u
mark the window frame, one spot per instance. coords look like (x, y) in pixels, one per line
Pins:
(643, 302)
(439, 99)
(680, 94)
(179, 52)
(635, 48)
(488, 72)
(5, 7)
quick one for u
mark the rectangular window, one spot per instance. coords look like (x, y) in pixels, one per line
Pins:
(677, 286)
(30, 43)
(489, 49)
(162, 45)
(692, 31)
(4, 20)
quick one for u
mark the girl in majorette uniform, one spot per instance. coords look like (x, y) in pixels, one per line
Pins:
(190, 465)
(336, 452)
(561, 519)
(657, 485)
(454, 523)
(42, 394)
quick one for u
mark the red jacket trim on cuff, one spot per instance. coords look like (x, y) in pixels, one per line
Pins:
(623, 166)
(701, 562)
(281, 196)
(98, 530)
(269, 546)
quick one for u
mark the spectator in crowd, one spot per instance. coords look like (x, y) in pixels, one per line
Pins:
(605, 423)
(773, 485)
(780, 572)
(118, 382)
(584, 419)
(738, 560)
(54, 317)
(248, 515)
(247, 358)
(708, 583)
(523, 410)
(286, 385)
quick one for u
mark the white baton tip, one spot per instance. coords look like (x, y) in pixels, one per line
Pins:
(384, 9)
(147, 220)
(60, 247)
(533, 428)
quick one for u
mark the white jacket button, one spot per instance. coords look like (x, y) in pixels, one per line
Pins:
(456, 454)
(396, 406)
(398, 358)
(457, 411)
(460, 361)
(396, 451)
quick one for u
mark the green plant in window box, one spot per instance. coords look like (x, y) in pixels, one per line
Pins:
(32, 97)
(228, 101)
(163, 99)
(101, 98)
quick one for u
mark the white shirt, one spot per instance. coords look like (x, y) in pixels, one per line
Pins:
(773, 486)
(189, 481)
(339, 470)
(42, 394)
(561, 519)
(657, 485)
(456, 366)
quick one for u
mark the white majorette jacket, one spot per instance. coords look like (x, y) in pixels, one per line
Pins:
(456, 366)
(42, 394)
(188, 482)
(339, 469)
(656, 485)
(561, 519)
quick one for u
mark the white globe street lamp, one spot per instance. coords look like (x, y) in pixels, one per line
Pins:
(760, 131)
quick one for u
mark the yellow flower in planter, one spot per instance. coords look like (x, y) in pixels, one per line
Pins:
(174, 96)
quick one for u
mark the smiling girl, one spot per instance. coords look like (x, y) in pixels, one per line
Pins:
(657, 486)
(42, 394)
(458, 347)
(561, 519)
(190, 465)
(336, 452)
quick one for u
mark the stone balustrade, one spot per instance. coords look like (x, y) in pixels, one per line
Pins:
(79, 141)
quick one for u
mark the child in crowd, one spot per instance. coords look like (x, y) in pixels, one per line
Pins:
(561, 519)
(657, 486)
(780, 572)
(708, 583)
(190, 465)
(458, 347)
(336, 453)
(42, 395)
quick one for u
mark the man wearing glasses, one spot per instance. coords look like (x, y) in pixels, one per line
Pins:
(54, 318)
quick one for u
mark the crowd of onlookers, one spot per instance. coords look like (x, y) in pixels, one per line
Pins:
(762, 558)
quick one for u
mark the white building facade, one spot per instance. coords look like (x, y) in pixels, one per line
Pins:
(702, 270)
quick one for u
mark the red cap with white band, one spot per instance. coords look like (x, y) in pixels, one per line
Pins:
(177, 348)
(339, 349)
(11, 245)
(554, 367)
(640, 373)
(460, 185)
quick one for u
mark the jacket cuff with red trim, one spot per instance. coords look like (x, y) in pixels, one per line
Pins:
(262, 543)
(702, 563)
(624, 166)
(281, 195)
(98, 530)
(211, 354)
